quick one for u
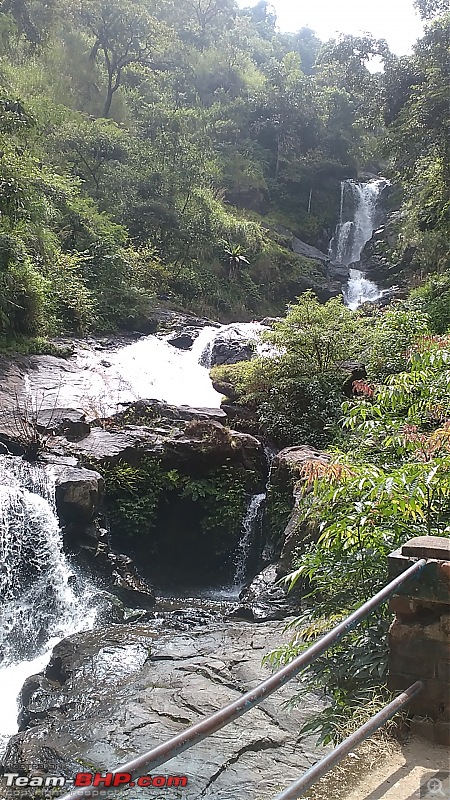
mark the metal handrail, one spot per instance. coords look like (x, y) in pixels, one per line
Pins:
(201, 730)
(317, 771)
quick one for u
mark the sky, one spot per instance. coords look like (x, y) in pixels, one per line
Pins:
(393, 20)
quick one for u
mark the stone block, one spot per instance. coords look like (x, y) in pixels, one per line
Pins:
(403, 607)
(431, 547)
(433, 702)
(431, 585)
(423, 663)
(438, 732)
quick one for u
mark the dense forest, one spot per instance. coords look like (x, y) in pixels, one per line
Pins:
(154, 150)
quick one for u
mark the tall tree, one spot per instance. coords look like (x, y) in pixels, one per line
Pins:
(124, 34)
(431, 8)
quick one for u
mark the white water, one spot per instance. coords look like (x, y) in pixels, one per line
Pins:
(361, 200)
(245, 543)
(42, 600)
(149, 368)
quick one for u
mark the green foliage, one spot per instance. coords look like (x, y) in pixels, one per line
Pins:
(157, 132)
(161, 128)
(393, 336)
(136, 497)
(317, 338)
(393, 480)
(222, 496)
(279, 505)
(434, 298)
(297, 388)
(32, 346)
(418, 143)
(431, 8)
(134, 494)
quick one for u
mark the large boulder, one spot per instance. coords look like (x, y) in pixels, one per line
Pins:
(266, 598)
(92, 548)
(194, 448)
(229, 350)
(79, 493)
(183, 340)
(288, 483)
(183, 524)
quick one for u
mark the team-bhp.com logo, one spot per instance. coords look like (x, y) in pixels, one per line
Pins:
(97, 780)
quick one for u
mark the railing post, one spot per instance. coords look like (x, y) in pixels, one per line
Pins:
(419, 637)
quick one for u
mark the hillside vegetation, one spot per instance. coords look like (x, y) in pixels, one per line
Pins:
(150, 149)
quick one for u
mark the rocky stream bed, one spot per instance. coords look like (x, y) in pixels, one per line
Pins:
(149, 666)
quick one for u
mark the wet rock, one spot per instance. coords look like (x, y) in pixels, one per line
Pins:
(303, 249)
(178, 322)
(199, 446)
(288, 485)
(124, 579)
(288, 463)
(67, 422)
(91, 547)
(226, 389)
(109, 695)
(140, 323)
(227, 350)
(338, 272)
(145, 412)
(183, 341)
(266, 599)
(79, 493)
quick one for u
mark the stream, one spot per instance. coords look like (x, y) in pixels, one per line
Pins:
(44, 597)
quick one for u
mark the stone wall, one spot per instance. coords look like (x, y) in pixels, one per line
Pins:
(419, 637)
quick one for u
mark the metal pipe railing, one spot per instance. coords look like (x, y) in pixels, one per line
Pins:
(313, 774)
(201, 730)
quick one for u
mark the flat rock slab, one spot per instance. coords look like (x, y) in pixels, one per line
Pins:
(112, 695)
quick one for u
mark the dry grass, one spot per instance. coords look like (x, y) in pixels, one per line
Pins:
(369, 756)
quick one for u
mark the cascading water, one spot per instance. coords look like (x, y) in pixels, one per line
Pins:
(42, 600)
(360, 215)
(248, 529)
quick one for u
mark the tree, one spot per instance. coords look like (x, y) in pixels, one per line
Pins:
(307, 45)
(33, 18)
(208, 12)
(235, 256)
(418, 143)
(344, 63)
(431, 8)
(89, 146)
(124, 35)
(315, 338)
(392, 481)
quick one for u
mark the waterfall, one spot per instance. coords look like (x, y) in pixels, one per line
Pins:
(203, 345)
(360, 215)
(42, 600)
(248, 529)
